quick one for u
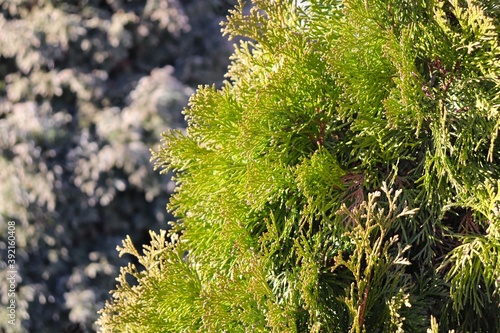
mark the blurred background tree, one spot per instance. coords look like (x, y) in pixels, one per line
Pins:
(86, 88)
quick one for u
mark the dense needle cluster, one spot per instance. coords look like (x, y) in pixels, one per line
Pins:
(345, 178)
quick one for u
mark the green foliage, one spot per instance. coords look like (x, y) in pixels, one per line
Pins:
(280, 175)
(377, 269)
(167, 271)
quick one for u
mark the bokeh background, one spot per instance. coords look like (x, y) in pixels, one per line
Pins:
(86, 89)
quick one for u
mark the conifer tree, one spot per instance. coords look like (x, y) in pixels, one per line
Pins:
(86, 88)
(344, 179)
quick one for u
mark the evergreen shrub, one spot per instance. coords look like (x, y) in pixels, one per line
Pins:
(344, 179)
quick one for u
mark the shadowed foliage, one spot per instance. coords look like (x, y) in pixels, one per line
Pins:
(86, 88)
